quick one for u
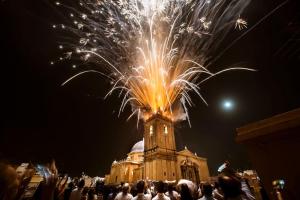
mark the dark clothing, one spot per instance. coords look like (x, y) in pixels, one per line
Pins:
(67, 193)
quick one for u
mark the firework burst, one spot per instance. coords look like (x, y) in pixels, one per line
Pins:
(241, 23)
(155, 52)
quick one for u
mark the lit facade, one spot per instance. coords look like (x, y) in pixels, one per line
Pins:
(156, 158)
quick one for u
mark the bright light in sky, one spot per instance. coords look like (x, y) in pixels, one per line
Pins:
(227, 104)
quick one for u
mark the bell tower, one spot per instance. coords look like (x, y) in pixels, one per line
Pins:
(159, 149)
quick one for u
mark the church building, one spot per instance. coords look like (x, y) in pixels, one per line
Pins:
(156, 158)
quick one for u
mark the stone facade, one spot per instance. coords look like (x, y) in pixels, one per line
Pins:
(273, 145)
(156, 158)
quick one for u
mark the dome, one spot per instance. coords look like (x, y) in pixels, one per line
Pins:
(138, 147)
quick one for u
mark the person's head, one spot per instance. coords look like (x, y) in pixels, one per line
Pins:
(125, 188)
(85, 191)
(81, 183)
(75, 181)
(170, 188)
(207, 190)
(71, 185)
(91, 194)
(99, 187)
(9, 182)
(118, 188)
(140, 186)
(230, 186)
(216, 185)
(160, 187)
(185, 192)
(227, 163)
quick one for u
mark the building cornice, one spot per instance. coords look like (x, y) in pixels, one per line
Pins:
(275, 124)
(159, 116)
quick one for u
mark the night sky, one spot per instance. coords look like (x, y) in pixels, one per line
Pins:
(82, 132)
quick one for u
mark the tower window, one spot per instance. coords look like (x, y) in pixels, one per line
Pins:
(151, 129)
(165, 173)
(165, 129)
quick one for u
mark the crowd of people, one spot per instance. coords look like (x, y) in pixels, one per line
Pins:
(225, 188)
(55, 187)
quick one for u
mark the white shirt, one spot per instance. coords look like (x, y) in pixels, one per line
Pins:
(142, 196)
(174, 193)
(217, 194)
(122, 196)
(161, 196)
(76, 194)
(246, 190)
(207, 198)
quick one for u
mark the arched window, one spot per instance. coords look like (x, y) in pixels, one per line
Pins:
(165, 129)
(151, 129)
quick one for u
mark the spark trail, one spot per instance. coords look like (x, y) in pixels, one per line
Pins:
(153, 51)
